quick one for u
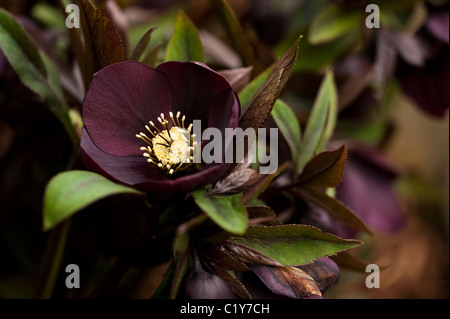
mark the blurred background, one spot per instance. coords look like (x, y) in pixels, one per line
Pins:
(393, 114)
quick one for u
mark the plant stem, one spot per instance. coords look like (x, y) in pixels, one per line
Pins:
(51, 263)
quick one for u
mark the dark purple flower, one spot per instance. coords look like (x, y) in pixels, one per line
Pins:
(128, 98)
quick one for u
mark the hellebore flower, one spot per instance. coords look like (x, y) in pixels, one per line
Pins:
(138, 123)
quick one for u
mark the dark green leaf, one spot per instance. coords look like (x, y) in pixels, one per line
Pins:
(185, 44)
(35, 72)
(325, 169)
(226, 211)
(332, 206)
(237, 34)
(71, 191)
(293, 244)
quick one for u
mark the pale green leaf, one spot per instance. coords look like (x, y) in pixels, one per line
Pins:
(71, 191)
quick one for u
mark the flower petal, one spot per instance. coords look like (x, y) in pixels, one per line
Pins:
(121, 100)
(129, 170)
(200, 93)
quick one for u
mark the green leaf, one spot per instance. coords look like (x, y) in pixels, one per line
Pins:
(237, 34)
(315, 58)
(332, 206)
(102, 43)
(250, 90)
(332, 23)
(325, 169)
(71, 191)
(316, 126)
(142, 45)
(331, 122)
(185, 44)
(293, 244)
(16, 44)
(163, 290)
(35, 71)
(289, 126)
(226, 211)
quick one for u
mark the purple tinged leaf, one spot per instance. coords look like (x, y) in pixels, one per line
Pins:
(238, 78)
(262, 102)
(287, 281)
(259, 186)
(324, 271)
(222, 257)
(102, 43)
(247, 254)
(262, 215)
(325, 169)
(332, 206)
(237, 181)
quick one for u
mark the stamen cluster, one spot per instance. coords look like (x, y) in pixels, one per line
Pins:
(171, 149)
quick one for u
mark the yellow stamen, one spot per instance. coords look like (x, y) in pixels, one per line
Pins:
(171, 148)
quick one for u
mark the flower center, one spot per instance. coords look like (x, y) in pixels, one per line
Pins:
(172, 148)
